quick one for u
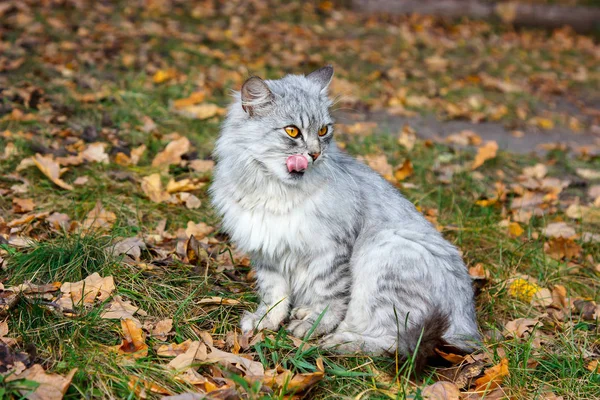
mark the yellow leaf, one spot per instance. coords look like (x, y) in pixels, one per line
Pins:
(164, 75)
(152, 187)
(405, 170)
(134, 340)
(493, 376)
(514, 229)
(172, 152)
(484, 153)
(51, 169)
(194, 98)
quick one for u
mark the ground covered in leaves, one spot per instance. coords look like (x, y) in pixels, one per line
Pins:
(116, 281)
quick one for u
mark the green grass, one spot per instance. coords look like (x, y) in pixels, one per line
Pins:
(173, 289)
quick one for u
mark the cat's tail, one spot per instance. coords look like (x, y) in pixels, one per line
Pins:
(419, 341)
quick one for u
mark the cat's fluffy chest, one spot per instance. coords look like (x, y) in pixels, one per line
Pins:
(273, 226)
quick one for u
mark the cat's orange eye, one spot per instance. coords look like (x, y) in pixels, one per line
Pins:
(292, 131)
(323, 131)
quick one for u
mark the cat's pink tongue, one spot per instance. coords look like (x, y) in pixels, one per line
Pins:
(297, 162)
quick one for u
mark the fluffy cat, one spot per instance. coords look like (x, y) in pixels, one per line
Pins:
(329, 236)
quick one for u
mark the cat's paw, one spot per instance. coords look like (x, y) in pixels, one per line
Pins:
(259, 321)
(302, 321)
(299, 328)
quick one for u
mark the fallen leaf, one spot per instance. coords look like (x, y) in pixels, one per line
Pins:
(201, 111)
(50, 386)
(173, 349)
(199, 230)
(86, 291)
(514, 229)
(407, 138)
(538, 171)
(194, 98)
(521, 327)
(121, 309)
(51, 169)
(593, 366)
(441, 391)
(196, 352)
(590, 215)
(164, 75)
(478, 272)
(484, 153)
(95, 153)
(82, 180)
(132, 246)
(172, 153)
(542, 298)
(219, 301)
(404, 171)
(493, 376)
(184, 185)
(21, 206)
(202, 165)
(140, 386)
(134, 340)
(152, 187)
(585, 173)
(252, 369)
(162, 328)
(99, 218)
(559, 248)
(559, 230)
(379, 163)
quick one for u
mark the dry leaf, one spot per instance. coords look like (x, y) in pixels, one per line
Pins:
(407, 138)
(538, 171)
(441, 391)
(252, 369)
(493, 376)
(172, 153)
(152, 187)
(173, 349)
(86, 291)
(404, 171)
(22, 205)
(99, 218)
(484, 153)
(521, 327)
(559, 230)
(585, 173)
(202, 165)
(199, 230)
(51, 169)
(380, 164)
(542, 298)
(201, 111)
(559, 248)
(134, 340)
(140, 386)
(593, 366)
(95, 153)
(219, 301)
(195, 352)
(514, 229)
(194, 98)
(51, 386)
(164, 75)
(121, 309)
(162, 328)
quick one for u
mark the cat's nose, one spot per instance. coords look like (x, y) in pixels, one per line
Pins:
(314, 156)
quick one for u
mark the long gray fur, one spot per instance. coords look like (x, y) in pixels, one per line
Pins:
(338, 238)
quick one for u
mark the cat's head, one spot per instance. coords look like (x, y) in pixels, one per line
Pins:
(285, 124)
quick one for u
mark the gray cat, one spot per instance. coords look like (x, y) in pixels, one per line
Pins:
(330, 237)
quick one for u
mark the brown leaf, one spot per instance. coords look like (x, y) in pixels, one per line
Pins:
(134, 340)
(22, 205)
(140, 386)
(521, 327)
(194, 98)
(162, 328)
(173, 349)
(559, 230)
(121, 309)
(591, 174)
(51, 386)
(379, 163)
(99, 218)
(199, 230)
(86, 291)
(172, 153)
(95, 153)
(559, 248)
(404, 171)
(152, 187)
(493, 376)
(202, 165)
(195, 352)
(484, 153)
(407, 138)
(201, 111)
(252, 369)
(196, 252)
(219, 301)
(441, 391)
(51, 169)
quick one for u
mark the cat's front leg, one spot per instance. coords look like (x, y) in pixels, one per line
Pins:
(324, 299)
(275, 301)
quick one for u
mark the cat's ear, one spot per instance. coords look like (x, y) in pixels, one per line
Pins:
(255, 95)
(322, 76)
